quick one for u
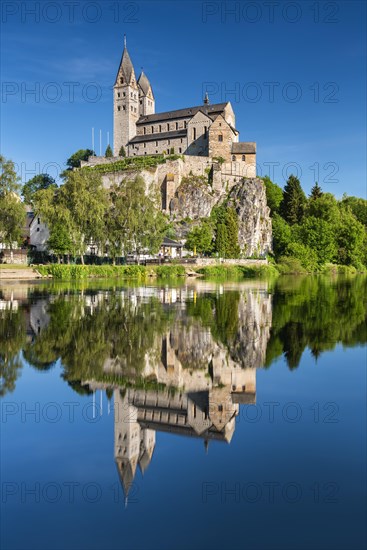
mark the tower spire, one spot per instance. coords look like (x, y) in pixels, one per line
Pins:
(206, 99)
(124, 40)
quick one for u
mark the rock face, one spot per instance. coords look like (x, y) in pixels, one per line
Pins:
(195, 199)
(248, 198)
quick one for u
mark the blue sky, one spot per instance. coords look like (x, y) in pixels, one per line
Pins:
(295, 73)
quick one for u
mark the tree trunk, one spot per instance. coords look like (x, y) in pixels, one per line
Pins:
(82, 259)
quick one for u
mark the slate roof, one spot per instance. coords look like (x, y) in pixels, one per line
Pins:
(183, 113)
(144, 83)
(171, 243)
(126, 67)
(244, 147)
(161, 135)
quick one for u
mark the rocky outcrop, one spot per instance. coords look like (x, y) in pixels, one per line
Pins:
(248, 198)
(195, 199)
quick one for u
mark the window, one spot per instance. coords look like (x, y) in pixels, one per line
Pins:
(132, 108)
(176, 125)
(121, 80)
(118, 94)
(205, 132)
(220, 408)
(144, 130)
(145, 146)
(168, 141)
(194, 133)
(141, 102)
(152, 129)
(160, 127)
(220, 137)
(185, 124)
(167, 126)
(124, 108)
(119, 108)
(156, 143)
(181, 140)
(124, 94)
(38, 221)
(233, 157)
(38, 229)
(180, 150)
(243, 157)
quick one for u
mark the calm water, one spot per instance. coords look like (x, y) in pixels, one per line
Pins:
(204, 415)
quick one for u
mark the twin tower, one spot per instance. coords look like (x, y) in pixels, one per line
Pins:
(132, 98)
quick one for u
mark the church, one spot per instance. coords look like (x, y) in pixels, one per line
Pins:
(205, 130)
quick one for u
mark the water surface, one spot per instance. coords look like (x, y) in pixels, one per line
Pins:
(202, 415)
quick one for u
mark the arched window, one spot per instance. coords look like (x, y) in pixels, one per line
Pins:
(243, 157)
(233, 157)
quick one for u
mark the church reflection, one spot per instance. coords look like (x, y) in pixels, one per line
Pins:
(192, 384)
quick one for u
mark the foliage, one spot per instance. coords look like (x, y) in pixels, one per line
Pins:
(226, 232)
(133, 222)
(108, 153)
(200, 237)
(122, 152)
(12, 211)
(294, 201)
(76, 158)
(274, 194)
(41, 181)
(131, 163)
(316, 192)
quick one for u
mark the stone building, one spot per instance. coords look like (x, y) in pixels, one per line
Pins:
(205, 130)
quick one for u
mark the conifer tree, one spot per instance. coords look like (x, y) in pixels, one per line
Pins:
(294, 201)
(122, 152)
(316, 192)
(108, 152)
(232, 248)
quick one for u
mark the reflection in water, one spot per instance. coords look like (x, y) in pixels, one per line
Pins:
(178, 360)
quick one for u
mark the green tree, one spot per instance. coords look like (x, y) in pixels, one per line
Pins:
(316, 192)
(41, 181)
(324, 208)
(350, 240)
(200, 237)
(76, 158)
(232, 249)
(358, 207)
(12, 211)
(282, 235)
(122, 152)
(274, 195)
(319, 235)
(59, 241)
(294, 201)
(108, 152)
(134, 222)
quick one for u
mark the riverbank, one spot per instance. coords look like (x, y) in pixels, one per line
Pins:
(242, 269)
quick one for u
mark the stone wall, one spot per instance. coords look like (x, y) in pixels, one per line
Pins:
(18, 256)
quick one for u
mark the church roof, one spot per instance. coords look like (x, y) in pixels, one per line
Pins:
(161, 135)
(188, 112)
(244, 147)
(126, 68)
(144, 83)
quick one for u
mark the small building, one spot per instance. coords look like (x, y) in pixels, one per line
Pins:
(170, 248)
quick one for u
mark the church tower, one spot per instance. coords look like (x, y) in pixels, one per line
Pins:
(146, 96)
(125, 104)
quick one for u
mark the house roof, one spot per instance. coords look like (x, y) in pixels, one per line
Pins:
(244, 147)
(183, 113)
(170, 243)
(161, 135)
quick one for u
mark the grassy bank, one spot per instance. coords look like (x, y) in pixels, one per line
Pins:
(238, 271)
(138, 272)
